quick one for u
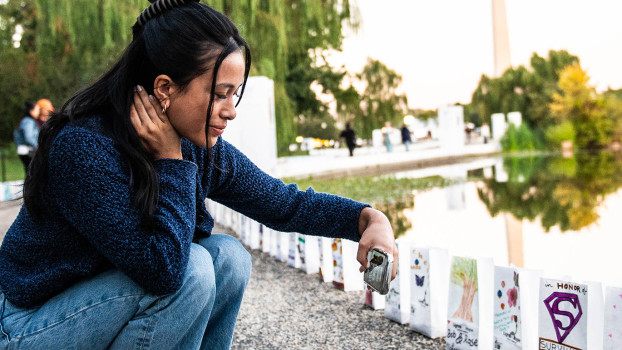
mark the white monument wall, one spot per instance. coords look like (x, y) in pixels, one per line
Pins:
(451, 127)
(499, 126)
(515, 118)
(253, 131)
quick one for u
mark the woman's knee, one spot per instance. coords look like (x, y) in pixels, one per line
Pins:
(229, 257)
(199, 277)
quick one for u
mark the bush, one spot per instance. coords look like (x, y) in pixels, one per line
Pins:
(555, 135)
(518, 139)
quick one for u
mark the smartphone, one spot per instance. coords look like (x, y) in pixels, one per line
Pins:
(378, 273)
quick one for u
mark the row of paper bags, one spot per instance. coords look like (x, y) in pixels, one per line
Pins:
(475, 304)
(10, 190)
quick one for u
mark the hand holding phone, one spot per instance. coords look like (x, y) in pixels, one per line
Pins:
(378, 273)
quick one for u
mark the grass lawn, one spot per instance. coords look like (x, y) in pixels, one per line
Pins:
(11, 168)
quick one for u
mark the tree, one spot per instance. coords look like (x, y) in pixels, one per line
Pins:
(464, 274)
(68, 43)
(578, 103)
(381, 101)
(528, 91)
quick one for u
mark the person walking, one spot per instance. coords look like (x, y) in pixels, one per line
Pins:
(350, 136)
(386, 133)
(405, 136)
(27, 133)
(485, 132)
(113, 248)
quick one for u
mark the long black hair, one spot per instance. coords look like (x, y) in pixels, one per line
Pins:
(28, 107)
(180, 38)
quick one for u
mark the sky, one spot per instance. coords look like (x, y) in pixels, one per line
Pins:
(442, 47)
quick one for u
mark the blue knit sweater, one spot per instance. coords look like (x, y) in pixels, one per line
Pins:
(90, 225)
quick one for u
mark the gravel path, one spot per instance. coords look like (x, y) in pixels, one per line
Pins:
(284, 308)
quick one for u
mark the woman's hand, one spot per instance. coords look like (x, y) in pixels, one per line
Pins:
(376, 232)
(156, 133)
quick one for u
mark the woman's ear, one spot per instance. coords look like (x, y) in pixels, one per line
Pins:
(163, 88)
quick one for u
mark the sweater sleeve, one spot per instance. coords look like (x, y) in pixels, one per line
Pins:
(242, 186)
(92, 190)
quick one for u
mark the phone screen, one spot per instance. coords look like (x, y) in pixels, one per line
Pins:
(376, 273)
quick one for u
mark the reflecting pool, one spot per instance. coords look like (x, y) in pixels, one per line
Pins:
(558, 215)
(562, 216)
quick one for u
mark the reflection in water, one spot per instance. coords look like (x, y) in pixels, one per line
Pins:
(560, 216)
(388, 194)
(561, 191)
(396, 214)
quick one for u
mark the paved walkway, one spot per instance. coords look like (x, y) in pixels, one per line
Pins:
(337, 161)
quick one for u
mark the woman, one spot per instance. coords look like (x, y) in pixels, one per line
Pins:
(27, 133)
(113, 248)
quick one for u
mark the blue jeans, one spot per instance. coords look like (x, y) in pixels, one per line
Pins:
(111, 311)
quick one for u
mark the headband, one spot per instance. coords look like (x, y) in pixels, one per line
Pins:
(158, 7)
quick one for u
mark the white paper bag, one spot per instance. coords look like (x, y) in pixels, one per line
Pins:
(612, 339)
(397, 303)
(562, 315)
(596, 316)
(254, 234)
(346, 268)
(309, 254)
(274, 242)
(265, 238)
(374, 299)
(283, 246)
(235, 223)
(326, 259)
(529, 306)
(244, 237)
(470, 304)
(293, 256)
(507, 315)
(429, 283)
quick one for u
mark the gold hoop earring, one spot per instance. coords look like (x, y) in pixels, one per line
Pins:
(164, 109)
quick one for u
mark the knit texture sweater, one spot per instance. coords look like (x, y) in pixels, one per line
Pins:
(90, 225)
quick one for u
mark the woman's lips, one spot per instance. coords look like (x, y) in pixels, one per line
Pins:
(216, 131)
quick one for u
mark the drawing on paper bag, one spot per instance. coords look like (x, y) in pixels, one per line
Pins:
(562, 315)
(507, 322)
(463, 305)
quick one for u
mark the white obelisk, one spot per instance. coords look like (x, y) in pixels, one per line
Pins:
(501, 39)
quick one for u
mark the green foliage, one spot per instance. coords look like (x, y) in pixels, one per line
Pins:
(528, 91)
(562, 192)
(68, 43)
(463, 270)
(556, 134)
(578, 103)
(380, 100)
(518, 139)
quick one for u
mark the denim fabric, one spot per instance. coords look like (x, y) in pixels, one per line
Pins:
(111, 311)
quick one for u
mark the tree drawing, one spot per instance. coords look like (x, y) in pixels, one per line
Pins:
(464, 274)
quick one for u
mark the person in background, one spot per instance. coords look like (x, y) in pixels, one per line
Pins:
(46, 108)
(386, 133)
(485, 132)
(27, 133)
(113, 248)
(350, 136)
(405, 135)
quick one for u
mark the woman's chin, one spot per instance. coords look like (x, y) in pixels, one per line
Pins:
(212, 141)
